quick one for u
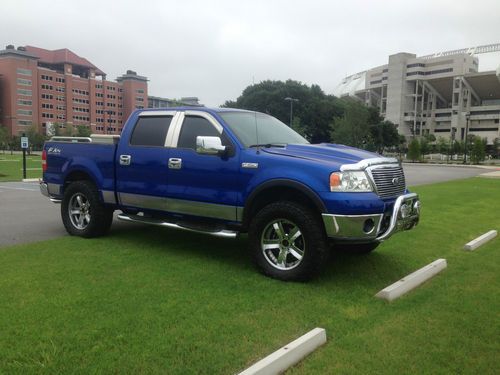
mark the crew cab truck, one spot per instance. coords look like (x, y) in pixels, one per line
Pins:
(228, 171)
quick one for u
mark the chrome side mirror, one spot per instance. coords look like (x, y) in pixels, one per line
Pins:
(209, 145)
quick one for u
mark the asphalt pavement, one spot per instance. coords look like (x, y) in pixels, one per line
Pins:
(27, 216)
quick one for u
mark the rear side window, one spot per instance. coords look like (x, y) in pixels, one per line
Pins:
(150, 131)
(193, 127)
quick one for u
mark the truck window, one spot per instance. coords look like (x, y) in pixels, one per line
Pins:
(150, 131)
(192, 127)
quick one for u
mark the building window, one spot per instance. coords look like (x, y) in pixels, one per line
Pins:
(47, 106)
(420, 65)
(24, 102)
(24, 72)
(24, 123)
(60, 89)
(60, 80)
(139, 91)
(24, 92)
(47, 96)
(47, 87)
(46, 78)
(139, 98)
(24, 112)
(47, 115)
(24, 82)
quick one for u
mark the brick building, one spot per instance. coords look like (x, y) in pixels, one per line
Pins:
(38, 86)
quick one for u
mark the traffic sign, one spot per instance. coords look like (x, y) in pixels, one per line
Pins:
(24, 142)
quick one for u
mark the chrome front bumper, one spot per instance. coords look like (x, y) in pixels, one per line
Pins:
(375, 227)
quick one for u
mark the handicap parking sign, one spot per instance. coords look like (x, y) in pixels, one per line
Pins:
(24, 142)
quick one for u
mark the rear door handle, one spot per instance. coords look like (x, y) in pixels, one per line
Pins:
(125, 159)
(174, 163)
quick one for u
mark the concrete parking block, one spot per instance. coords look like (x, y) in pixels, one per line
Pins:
(411, 281)
(474, 244)
(289, 355)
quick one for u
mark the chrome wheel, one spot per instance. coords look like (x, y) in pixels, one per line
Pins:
(79, 211)
(282, 244)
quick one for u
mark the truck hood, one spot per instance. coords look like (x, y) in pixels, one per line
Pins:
(323, 152)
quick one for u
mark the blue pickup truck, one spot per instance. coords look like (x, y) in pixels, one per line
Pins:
(228, 171)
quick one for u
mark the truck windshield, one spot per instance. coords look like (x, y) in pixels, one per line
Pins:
(253, 129)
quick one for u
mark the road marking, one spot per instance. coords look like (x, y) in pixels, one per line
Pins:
(411, 281)
(474, 244)
(289, 355)
(16, 188)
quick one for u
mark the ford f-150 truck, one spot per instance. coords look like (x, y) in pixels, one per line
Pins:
(228, 171)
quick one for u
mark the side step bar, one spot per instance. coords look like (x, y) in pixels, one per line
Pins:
(162, 223)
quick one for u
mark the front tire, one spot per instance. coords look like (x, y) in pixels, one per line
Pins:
(288, 242)
(83, 214)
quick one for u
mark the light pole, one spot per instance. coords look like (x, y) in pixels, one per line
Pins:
(291, 100)
(467, 118)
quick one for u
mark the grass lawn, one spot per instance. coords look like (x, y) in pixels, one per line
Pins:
(152, 300)
(11, 166)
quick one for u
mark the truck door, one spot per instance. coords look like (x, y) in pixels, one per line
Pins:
(199, 184)
(142, 162)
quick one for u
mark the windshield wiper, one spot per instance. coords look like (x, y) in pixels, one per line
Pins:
(267, 145)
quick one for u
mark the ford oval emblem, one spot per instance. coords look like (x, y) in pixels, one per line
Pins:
(395, 181)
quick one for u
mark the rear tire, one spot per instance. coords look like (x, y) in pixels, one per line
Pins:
(82, 212)
(288, 241)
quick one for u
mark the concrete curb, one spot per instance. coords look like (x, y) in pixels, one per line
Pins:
(411, 281)
(494, 167)
(30, 179)
(481, 240)
(289, 355)
(494, 174)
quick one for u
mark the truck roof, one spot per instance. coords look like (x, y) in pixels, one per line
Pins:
(187, 108)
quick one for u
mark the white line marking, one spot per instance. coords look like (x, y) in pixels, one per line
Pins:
(16, 188)
(411, 281)
(481, 240)
(289, 355)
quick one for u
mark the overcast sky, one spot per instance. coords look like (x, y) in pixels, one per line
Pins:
(214, 49)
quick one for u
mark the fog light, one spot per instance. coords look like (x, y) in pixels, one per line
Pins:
(405, 211)
(368, 226)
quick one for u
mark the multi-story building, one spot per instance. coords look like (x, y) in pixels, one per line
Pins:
(442, 94)
(38, 87)
(158, 102)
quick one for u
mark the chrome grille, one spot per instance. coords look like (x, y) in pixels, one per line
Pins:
(389, 181)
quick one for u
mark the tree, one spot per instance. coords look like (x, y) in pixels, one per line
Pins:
(424, 146)
(36, 139)
(442, 145)
(478, 152)
(496, 148)
(384, 134)
(315, 109)
(83, 131)
(352, 129)
(414, 150)
(4, 136)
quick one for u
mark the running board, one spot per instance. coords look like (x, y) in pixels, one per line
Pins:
(162, 223)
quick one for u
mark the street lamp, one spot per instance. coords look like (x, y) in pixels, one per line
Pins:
(467, 118)
(291, 100)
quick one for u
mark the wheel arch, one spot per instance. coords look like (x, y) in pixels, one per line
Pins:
(281, 189)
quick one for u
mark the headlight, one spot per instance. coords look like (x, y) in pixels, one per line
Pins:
(351, 181)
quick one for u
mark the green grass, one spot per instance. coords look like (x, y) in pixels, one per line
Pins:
(11, 167)
(152, 300)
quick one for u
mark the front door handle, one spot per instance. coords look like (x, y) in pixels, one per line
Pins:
(174, 163)
(125, 159)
